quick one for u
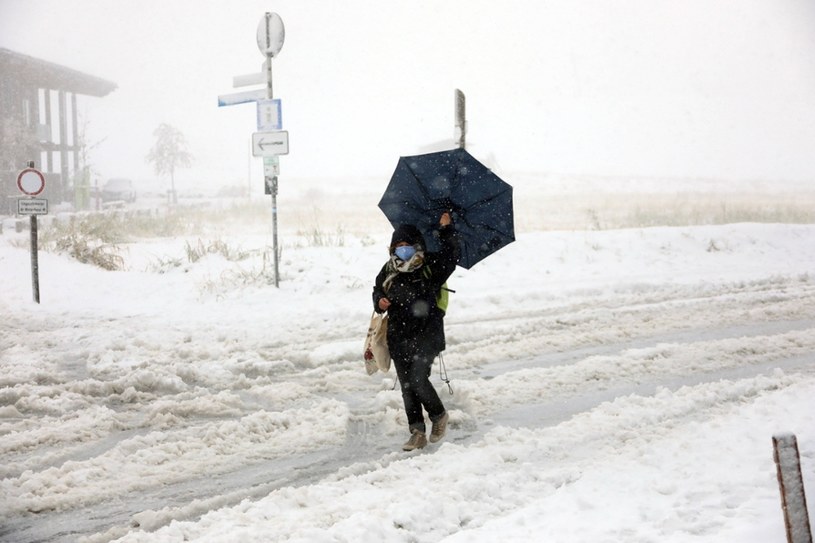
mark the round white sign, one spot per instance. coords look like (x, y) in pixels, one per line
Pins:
(31, 181)
(271, 34)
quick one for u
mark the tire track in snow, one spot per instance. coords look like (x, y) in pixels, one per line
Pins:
(615, 326)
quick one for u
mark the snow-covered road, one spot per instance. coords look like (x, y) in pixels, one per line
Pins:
(593, 372)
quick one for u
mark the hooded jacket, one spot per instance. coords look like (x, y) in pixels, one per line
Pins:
(415, 323)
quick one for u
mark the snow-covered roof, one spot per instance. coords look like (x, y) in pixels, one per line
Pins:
(35, 72)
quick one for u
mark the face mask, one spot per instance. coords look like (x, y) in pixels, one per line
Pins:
(405, 252)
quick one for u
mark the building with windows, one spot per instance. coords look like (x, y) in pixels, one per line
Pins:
(38, 122)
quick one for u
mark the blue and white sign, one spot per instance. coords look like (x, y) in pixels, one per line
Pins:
(241, 97)
(269, 115)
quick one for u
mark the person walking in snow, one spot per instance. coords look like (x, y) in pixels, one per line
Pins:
(406, 288)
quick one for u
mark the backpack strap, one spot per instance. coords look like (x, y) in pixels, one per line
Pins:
(443, 294)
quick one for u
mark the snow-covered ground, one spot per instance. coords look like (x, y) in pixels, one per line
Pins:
(609, 385)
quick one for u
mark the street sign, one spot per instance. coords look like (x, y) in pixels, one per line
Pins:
(270, 143)
(32, 206)
(241, 97)
(271, 34)
(269, 115)
(248, 80)
(31, 181)
(271, 166)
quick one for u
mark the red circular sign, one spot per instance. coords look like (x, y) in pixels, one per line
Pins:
(31, 181)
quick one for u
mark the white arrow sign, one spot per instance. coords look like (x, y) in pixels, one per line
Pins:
(270, 143)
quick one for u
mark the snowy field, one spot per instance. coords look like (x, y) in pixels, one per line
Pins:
(610, 384)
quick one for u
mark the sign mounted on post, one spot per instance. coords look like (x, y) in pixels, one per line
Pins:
(271, 166)
(269, 115)
(271, 34)
(31, 181)
(243, 97)
(32, 206)
(248, 80)
(270, 143)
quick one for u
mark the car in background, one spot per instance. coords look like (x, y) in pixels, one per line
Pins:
(119, 189)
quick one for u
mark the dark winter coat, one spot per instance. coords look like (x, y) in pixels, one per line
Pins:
(415, 323)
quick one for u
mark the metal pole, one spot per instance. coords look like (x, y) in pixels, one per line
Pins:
(35, 261)
(268, 67)
(35, 266)
(271, 181)
(461, 120)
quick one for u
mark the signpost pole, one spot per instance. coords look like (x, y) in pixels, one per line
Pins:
(269, 93)
(35, 265)
(271, 181)
(270, 141)
(31, 183)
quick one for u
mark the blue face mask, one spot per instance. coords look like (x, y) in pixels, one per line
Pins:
(405, 252)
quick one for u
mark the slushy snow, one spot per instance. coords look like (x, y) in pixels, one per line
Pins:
(618, 385)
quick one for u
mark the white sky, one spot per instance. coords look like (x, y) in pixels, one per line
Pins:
(719, 89)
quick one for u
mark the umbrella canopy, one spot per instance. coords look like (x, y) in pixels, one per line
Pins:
(424, 186)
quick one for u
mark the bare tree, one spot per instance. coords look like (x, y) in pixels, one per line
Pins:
(168, 153)
(85, 170)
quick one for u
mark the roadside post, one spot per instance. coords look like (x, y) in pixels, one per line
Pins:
(460, 113)
(791, 485)
(270, 141)
(31, 182)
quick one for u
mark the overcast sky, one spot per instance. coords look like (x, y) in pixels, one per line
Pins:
(719, 89)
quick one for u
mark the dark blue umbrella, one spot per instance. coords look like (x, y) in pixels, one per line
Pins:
(424, 186)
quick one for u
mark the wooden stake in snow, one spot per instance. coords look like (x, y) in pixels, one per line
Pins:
(793, 499)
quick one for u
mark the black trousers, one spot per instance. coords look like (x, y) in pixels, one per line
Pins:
(413, 370)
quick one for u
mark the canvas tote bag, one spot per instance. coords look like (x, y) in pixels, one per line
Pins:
(376, 354)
